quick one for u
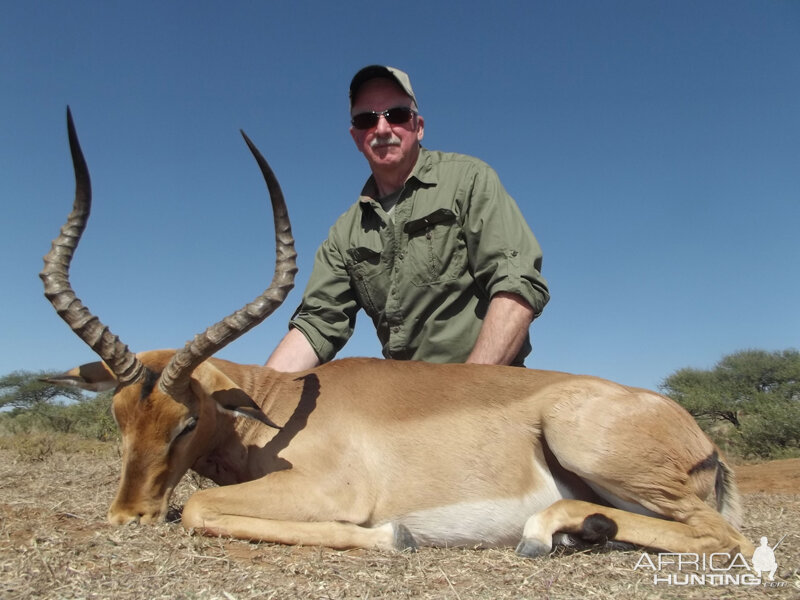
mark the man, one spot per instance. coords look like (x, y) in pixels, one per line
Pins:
(434, 251)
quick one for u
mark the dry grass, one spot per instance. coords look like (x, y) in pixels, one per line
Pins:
(55, 543)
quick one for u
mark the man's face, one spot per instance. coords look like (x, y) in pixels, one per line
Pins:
(387, 147)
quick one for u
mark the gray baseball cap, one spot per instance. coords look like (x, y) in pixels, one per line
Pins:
(373, 72)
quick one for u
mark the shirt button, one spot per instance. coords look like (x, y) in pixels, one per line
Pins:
(401, 256)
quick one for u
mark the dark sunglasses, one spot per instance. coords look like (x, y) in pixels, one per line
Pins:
(394, 116)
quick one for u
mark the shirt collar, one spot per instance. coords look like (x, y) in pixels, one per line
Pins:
(423, 172)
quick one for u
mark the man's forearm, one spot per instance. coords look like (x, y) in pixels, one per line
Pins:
(504, 330)
(294, 353)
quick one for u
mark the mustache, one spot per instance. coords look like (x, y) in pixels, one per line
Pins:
(387, 140)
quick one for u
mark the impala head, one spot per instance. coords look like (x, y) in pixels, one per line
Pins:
(166, 403)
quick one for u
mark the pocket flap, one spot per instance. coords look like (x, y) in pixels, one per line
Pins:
(442, 215)
(361, 254)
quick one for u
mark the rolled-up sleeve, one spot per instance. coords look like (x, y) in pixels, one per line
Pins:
(504, 254)
(327, 313)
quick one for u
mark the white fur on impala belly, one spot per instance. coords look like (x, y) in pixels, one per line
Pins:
(488, 523)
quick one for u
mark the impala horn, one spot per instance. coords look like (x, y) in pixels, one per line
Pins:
(55, 276)
(175, 378)
(123, 362)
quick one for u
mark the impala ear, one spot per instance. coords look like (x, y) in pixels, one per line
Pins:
(237, 400)
(93, 377)
(209, 380)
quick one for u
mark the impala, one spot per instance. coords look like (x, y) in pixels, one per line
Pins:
(376, 453)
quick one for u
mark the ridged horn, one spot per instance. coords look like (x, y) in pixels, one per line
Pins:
(175, 377)
(58, 289)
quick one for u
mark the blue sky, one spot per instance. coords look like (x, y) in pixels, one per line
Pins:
(653, 146)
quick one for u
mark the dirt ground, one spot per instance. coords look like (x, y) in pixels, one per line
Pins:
(778, 476)
(55, 543)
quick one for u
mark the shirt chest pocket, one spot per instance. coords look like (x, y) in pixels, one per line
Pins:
(436, 249)
(369, 278)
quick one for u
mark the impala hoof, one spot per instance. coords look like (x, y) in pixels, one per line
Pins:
(403, 539)
(532, 549)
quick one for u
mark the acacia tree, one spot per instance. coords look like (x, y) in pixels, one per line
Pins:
(756, 391)
(31, 404)
(27, 390)
(701, 393)
(28, 404)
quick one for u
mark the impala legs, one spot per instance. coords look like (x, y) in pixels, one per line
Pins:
(280, 509)
(704, 531)
(332, 534)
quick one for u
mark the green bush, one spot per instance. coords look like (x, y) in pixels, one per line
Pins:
(90, 418)
(748, 403)
(772, 431)
(36, 406)
(36, 447)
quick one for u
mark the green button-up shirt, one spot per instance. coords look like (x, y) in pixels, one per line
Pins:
(425, 274)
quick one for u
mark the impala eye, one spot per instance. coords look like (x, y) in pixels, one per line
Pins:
(189, 427)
